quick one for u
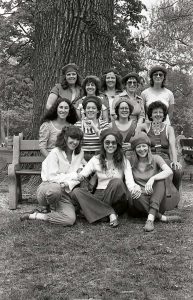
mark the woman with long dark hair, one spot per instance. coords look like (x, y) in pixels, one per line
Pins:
(58, 179)
(151, 197)
(69, 87)
(61, 114)
(111, 194)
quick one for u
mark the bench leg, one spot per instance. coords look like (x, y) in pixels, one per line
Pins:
(13, 195)
(19, 190)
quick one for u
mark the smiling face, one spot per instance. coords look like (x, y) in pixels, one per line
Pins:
(90, 88)
(158, 77)
(142, 150)
(71, 77)
(124, 111)
(131, 85)
(157, 114)
(72, 143)
(63, 110)
(91, 110)
(110, 144)
(110, 80)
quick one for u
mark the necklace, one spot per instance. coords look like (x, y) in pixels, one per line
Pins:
(157, 127)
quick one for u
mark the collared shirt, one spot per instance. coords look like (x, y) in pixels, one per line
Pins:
(137, 103)
(57, 168)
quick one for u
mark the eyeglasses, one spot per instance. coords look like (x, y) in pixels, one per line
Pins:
(158, 74)
(107, 143)
(130, 82)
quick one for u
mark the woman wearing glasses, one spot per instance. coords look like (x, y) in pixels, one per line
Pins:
(131, 81)
(158, 92)
(111, 195)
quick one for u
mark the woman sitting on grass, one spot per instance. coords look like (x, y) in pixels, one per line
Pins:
(58, 171)
(150, 172)
(61, 114)
(111, 195)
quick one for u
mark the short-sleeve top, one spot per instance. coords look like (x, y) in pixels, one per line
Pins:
(142, 177)
(47, 136)
(67, 93)
(137, 103)
(91, 139)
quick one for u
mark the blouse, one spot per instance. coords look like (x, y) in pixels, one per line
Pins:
(104, 176)
(57, 168)
(47, 136)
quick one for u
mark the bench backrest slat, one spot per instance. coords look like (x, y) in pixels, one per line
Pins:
(31, 159)
(30, 145)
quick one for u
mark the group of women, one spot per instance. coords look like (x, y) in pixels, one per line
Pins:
(107, 150)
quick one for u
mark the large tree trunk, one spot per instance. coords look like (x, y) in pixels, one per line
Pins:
(66, 31)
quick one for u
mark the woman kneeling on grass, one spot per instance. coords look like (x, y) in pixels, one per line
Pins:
(58, 171)
(150, 172)
(111, 195)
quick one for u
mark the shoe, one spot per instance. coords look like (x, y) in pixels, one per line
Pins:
(170, 219)
(114, 222)
(24, 217)
(149, 226)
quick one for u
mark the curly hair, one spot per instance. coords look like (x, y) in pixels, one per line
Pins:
(94, 79)
(117, 109)
(118, 84)
(155, 105)
(73, 132)
(64, 83)
(51, 114)
(118, 157)
(152, 81)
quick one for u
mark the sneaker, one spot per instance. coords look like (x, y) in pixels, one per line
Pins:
(149, 226)
(173, 219)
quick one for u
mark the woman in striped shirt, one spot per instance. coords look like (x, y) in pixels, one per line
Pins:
(91, 126)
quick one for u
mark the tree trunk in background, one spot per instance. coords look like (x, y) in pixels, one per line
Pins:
(66, 31)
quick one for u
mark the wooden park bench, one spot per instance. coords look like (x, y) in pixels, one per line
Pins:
(187, 151)
(26, 157)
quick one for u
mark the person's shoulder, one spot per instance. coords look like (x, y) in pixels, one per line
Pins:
(123, 94)
(168, 91)
(45, 125)
(158, 159)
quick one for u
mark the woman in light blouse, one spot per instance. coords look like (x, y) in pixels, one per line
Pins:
(58, 179)
(111, 195)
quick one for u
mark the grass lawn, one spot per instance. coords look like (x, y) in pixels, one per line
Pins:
(44, 261)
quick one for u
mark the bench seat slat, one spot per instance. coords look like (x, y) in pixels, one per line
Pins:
(29, 145)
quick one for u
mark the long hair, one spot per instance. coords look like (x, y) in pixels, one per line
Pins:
(118, 157)
(135, 159)
(118, 84)
(155, 105)
(51, 114)
(117, 109)
(73, 132)
(64, 83)
(94, 79)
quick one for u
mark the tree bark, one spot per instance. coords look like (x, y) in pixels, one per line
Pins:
(66, 31)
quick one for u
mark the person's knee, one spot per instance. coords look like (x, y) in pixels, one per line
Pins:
(116, 182)
(72, 218)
